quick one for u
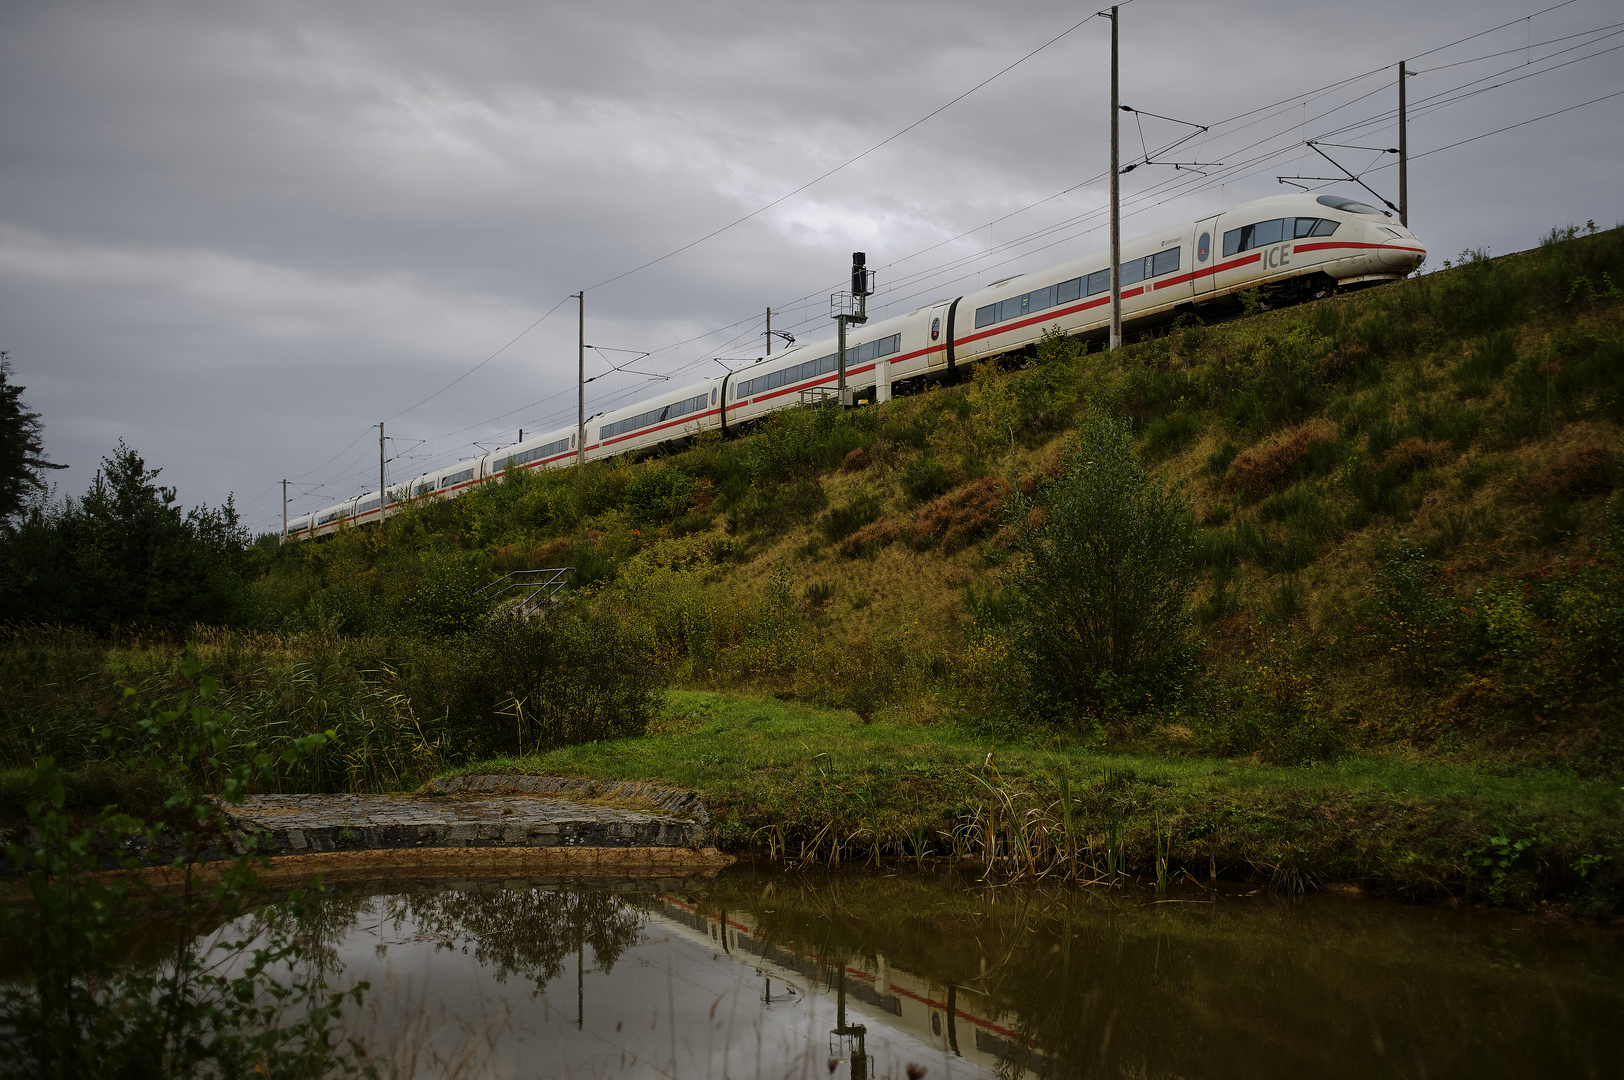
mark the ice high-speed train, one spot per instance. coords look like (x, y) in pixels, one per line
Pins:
(1291, 246)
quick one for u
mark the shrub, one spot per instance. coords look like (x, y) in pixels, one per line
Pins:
(1257, 471)
(577, 674)
(1169, 434)
(842, 521)
(1102, 594)
(659, 494)
(1413, 619)
(448, 598)
(924, 478)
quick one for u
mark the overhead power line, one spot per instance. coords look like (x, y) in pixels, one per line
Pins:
(844, 164)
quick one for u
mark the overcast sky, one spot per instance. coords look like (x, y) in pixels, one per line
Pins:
(237, 234)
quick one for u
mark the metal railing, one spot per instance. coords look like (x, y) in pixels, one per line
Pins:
(537, 588)
(815, 396)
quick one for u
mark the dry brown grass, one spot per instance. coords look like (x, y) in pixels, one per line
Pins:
(960, 518)
(856, 461)
(1415, 453)
(1259, 470)
(1583, 471)
(1340, 362)
(880, 533)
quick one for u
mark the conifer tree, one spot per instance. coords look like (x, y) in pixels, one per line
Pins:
(22, 449)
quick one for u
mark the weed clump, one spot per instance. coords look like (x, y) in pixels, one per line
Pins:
(960, 518)
(1271, 464)
(869, 539)
(1583, 472)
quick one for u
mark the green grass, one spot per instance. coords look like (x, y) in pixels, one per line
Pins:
(1408, 828)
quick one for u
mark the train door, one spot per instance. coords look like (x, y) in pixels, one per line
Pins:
(938, 339)
(1206, 255)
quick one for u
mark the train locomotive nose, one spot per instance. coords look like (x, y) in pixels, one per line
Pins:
(1402, 255)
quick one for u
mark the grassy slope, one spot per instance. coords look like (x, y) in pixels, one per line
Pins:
(812, 775)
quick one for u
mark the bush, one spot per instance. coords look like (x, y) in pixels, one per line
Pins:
(924, 478)
(578, 674)
(869, 539)
(1101, 597)
(842, 521)
(659, 494)
(448, 598)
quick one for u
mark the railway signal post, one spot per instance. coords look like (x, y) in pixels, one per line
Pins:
(850, 307)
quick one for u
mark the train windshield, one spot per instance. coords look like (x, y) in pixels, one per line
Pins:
(1351, 206)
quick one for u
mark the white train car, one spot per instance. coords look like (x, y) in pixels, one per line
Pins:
(1312, 243)
(876, 354)
(1295, 245)
(674, 414)
(556, 448)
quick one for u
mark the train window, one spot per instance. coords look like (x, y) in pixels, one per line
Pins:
(654, 416)
(1202, 246)
(536, 453)
(1248, 237)
(456, 478)
(367, 507)
(1269, 232)
(1325, 227)
(869, 350)
(935, 329)
(1163, 262)
(1348, 206)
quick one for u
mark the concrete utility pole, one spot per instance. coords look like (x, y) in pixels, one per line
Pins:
(383, 490)
(1403, 150)
(284, 510)
(580, 385)
(1116, 200)
(769, 331)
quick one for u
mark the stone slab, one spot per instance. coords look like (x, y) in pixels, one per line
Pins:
(527, 814)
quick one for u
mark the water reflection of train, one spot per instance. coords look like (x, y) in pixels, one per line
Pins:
(956, 1019)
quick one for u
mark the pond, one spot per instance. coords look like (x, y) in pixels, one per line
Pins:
(862, 974)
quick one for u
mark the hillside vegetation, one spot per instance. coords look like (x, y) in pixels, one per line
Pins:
(1405, 530)
(1330, 592)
